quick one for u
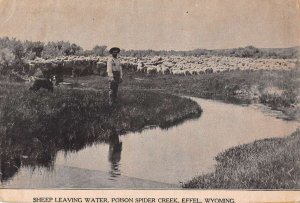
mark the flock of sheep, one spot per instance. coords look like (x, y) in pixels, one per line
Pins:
(176, 65)
(209, 64)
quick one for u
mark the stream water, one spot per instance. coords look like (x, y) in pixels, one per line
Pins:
(158, 158)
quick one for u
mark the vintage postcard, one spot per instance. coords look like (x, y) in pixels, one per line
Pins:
(150, 101)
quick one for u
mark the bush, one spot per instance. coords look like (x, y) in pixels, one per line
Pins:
(275, 101)
(7, 59)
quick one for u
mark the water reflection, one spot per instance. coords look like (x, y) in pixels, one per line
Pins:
(15, 154)
(114, 155)
(9, 167)
(165, 156)
(35, 153)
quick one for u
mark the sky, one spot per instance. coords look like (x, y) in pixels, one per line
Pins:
(154, 24)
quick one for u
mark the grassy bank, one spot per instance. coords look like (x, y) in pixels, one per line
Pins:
(265, 164)
(37, 125)
(279, 90)
(70, 119)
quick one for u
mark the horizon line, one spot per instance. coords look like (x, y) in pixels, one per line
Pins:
(85, 49)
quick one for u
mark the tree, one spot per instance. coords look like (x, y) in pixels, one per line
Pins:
(18, 51)
(51, 50)
(37, 48)
(74, 49)
(99, 50)
(7, 59)
(33, 48)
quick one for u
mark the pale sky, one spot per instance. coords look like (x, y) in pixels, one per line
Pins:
(154, 24)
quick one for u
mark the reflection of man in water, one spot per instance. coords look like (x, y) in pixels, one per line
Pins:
(114, 156)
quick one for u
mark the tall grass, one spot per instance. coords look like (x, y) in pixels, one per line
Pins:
(265, 164)
(235, 87)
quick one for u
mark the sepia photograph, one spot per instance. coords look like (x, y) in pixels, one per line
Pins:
(150, 94)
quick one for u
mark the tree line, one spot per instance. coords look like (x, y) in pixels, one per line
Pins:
(244, 52)
(14, 52)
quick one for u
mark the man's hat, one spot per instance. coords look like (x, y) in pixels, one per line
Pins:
(114, 49)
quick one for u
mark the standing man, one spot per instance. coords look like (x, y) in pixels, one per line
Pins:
(115, 74)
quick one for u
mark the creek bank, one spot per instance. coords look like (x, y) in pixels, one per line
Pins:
(277, 89)
(187, 150)
(264, 164)
(38, 125)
